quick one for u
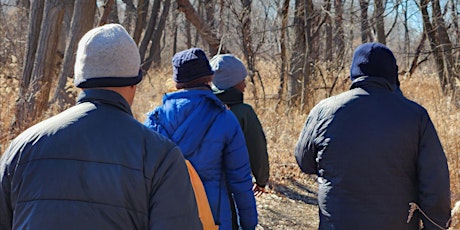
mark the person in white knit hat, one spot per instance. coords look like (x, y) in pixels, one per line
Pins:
(94, 166)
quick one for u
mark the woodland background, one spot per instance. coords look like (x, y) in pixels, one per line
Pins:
(297, 53)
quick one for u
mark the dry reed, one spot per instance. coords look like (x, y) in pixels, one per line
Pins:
(282, 122)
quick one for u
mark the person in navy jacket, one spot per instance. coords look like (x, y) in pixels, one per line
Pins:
(94, 166)
(374, 152)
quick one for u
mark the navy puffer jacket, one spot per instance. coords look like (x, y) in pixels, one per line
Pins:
(95, 167)
(374, 152)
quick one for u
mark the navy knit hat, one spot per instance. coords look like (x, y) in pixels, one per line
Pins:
(107, 56)
(374, 59)
(189, 65)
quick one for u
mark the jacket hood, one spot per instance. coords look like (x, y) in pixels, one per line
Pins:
(374, 59)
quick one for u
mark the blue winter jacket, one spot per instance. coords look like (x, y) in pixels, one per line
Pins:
(94, 166)
(210, 137)
(374, 152)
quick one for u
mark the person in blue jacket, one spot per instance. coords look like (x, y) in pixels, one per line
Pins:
(94, 166)
(375, 152)
(209, 136)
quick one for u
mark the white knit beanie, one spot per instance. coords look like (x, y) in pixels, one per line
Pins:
(107, 56)
(228, 71)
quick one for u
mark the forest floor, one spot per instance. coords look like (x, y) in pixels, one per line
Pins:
(290, 202)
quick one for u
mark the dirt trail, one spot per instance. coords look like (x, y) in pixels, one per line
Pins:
(290, 204)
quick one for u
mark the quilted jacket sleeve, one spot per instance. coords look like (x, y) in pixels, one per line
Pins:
(305, 149)
(433, 177)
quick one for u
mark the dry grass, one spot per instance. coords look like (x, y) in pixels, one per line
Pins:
(282, 123)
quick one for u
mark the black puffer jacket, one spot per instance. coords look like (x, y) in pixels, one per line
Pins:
(374, 152)
(95, 167)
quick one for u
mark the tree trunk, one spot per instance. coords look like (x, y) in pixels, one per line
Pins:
(175, 27)
(113, 13)
(34, 103)
(149, 31)
(309, 54)
(328, 30)
(446, 46)
(364, 21)
(339, 34)
(380, 22)
(298, 52)
(82, 22)
(435, 49)
(283, 31)
(209, 9)
(130, 15)
(142, 7)
(105, 11)
(36, 17)
(154, 53)
(201, 26)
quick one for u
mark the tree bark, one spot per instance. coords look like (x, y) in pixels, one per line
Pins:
(149, 31)
(446, 46)
(364, 21)
(328, 32)
(380, 22)
(82, 22)
(105, 12)
(36, 17)
(201, 26)
(339, 34)
(142, 7)
(298, 52)
(154, 52)
(434, 43)
(34, 103)
(283, 31)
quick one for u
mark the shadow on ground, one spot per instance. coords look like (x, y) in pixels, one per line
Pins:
(297, 191)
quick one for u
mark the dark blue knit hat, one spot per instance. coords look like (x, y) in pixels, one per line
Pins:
(189, 65)
(374, 59)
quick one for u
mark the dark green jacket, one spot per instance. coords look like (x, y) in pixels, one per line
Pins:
(253, 133)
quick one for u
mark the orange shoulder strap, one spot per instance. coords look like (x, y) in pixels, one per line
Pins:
(204, 210)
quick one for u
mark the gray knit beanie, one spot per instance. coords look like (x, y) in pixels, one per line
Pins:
(228, 71)
(107, 56)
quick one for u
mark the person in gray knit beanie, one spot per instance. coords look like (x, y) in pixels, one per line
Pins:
(107, 56)
(94, 166)
(229, 79)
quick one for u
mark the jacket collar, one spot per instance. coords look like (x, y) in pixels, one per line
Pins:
(368, 82)
(231, 96)
(103, 96)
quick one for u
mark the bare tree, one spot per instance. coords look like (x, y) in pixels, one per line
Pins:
(380, 22)
(201, 26)
(142, 7)
(105, 9)
(283, 33)
(148, 34)
(298, 51)
(32, 103)
(154, 53)
(364, 5)
(82, 21)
